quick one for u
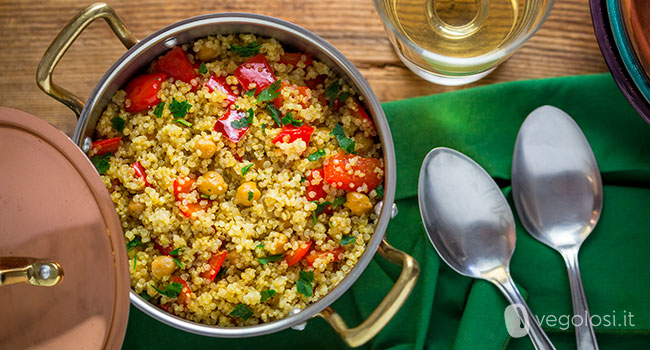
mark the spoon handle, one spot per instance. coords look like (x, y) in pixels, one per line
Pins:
(535, 332)
(585, 335)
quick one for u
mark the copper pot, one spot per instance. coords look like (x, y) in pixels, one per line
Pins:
(141, 52)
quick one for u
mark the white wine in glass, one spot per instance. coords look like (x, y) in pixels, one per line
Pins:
(454, 42)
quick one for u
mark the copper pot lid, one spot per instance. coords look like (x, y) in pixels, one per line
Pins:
(55, 210)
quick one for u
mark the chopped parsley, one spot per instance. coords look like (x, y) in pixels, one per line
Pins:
(135, 260)
(344, 142)
(270, 93)
(288, 119)
(270, 258)
(183, 122)
(320, 208)
(250, 195)
(303, 179)
(275, 114)
(347, 239)
(313, 216)
(180, 265)
(316, 155)
(340, 200)
(251, 92)
(344, 96)
(136, 242)
(179, 109)
(266, 295)
(245, 121)
(245, 169)
(251, 49)
(177, 251)
(263, 126)
(304, 283)
(118, 123)
(331, 92)
(202, 68)
(205, 196)
(380, 191)
(101, 163)
(172, 290)
(145, 295)
(221, 273)
(159, 110)
(242, 311)
(259, 246)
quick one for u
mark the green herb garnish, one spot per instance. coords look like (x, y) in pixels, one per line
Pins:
(313, 216)
(101, 163)
(250, 195)
(380, 191)
(172, 290)
(270, 93)
(270, 258)
(202, 68)
(177, 251)
(244, 121)
(159, 110)
(288, 119)
(344, 142)
(221, 273)
(245, 169)
(178, 263)
(340, 200)
(320, 208)
(259, 246)
(183, 122)
(331, 92)
(275, 114)
(135, 260)
(136, 242)
(179, 109)
(251, 92)
(304, 283)
(242, 311)
(266, 295)
(346, 239)
(205, 196)
(263, 126)
(316, 155)
(145, 295)
(118, 123)
(344, 96)
(251, 49)
(303, 179)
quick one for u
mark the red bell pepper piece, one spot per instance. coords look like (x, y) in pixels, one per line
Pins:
(161, 249)
(293, 58)
(366, 122)
(315, 182)
(224, 125)
(290, 133)
(360, 177)
(175, 64)
(142, 92)
(182, 187)
(102, 147)
(140, 172)
(295, 255)
(186, 293)
(313, 83)
(318, 254)
(216, 83)
(303, 94)
(257, 71)
(215, 263)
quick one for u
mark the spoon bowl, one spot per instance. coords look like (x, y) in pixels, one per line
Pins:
(470, 224)
(558, 194)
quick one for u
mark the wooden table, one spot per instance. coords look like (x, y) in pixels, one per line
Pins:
(565, 45)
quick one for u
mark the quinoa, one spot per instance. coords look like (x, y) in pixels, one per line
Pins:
(165, 213)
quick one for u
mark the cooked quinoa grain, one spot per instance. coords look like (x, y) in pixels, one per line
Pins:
(235, 180)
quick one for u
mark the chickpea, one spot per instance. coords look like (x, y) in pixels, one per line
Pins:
(135, 208)
(277, 247)
(207, 53)
(244, 196)
(206, 147)
(211, 183)
(363, 143)
(162, 266)
(357, 202)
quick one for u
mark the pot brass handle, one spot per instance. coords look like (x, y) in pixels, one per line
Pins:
(37, 272)
(388, 307)
(62, 42)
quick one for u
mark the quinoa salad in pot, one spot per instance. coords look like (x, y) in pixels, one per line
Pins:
(244, 176)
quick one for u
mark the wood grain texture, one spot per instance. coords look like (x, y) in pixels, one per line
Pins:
(565, 45)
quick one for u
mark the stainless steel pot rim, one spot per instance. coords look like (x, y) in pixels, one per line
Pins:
(372, 103)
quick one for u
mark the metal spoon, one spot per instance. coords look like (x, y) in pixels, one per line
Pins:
(558, 194)
(470, 224)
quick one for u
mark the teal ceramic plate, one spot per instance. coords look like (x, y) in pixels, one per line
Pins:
(630, 60)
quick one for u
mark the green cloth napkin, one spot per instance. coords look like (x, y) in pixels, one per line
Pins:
(449, 311)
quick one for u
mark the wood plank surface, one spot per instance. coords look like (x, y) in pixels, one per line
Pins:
(565, 45)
